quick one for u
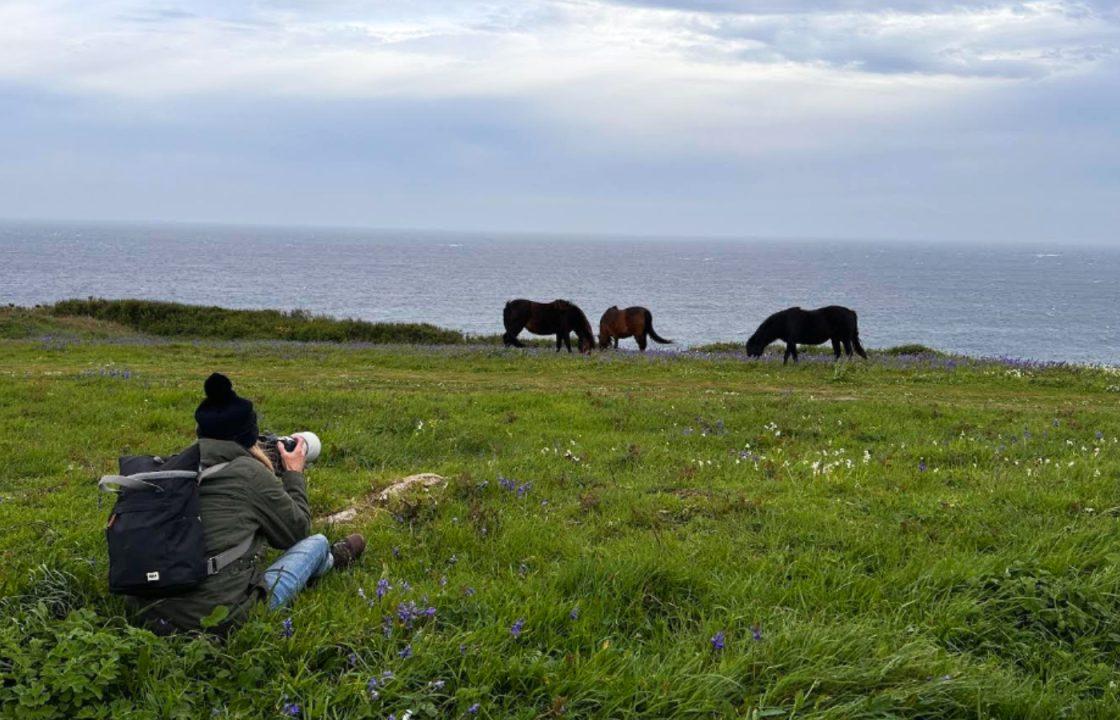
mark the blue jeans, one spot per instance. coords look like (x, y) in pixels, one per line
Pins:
(308, 558)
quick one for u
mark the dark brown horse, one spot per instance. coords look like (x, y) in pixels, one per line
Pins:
(635, 321)
(559, 317)
(808, 327)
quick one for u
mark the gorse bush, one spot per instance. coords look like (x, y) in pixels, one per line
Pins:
(197, 321)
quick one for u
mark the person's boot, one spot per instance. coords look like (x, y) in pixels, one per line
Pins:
(346, 551)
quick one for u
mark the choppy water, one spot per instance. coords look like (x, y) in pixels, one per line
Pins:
(1055, 302)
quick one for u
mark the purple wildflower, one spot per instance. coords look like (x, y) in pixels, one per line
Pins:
(1100, 435)
(288, 629)
(405, 652)
(756, 632)
(574, 614)
(473, 709)
(353, 659)
(922, 465)
(386, 676)
(507, 484)
(387, 626)
(383, 587)
(292, 710)
(718, 641)
(523, 489)
(396, 552)
(468, 591)
(443, 581)
(462, 649)
(430, 612)
(371, 688)
(516, 628)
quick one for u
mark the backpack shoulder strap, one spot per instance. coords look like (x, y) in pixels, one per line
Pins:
(207, 472)
(215, 564)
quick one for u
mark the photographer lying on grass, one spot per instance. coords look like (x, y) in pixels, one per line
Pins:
(241, 505)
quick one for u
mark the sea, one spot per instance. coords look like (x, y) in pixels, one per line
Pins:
(1049, 302)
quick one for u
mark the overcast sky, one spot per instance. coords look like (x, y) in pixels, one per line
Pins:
(913, 119)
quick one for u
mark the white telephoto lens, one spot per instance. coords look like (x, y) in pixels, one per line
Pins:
(314, 446)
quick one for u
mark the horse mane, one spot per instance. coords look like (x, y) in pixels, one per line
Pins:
(575, 310)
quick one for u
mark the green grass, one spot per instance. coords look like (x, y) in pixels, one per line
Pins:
(912, 540)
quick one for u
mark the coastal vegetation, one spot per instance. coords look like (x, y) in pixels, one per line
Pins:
(687, 535)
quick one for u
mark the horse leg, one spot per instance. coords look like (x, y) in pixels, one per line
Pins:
(568, 342)
(510, 339)
(785, 358)
(836, 348)
(793, 351)
(848, 347)
(559, 341)
(615, 341)
(641, 341)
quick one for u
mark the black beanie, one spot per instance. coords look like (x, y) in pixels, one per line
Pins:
(223, 415)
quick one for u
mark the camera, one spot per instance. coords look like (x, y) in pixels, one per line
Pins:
(270, 444)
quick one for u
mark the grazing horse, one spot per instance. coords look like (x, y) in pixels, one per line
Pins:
(558, 317)
(809, 327)
(636, 322)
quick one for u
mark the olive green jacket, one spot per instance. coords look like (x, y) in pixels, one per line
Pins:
(243, 498)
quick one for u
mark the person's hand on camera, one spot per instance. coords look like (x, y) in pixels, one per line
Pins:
(296, 459)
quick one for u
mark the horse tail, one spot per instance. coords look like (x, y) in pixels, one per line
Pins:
(855, 338)
(653, 335)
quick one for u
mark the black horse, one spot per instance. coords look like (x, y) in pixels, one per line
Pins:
(558, 317)
(808, 327)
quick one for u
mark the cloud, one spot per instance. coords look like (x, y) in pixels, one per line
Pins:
(799, 117)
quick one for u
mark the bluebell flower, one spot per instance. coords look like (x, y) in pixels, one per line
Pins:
(405, 652)
(353, 659)
(371, 688)
(718, 641)
(468, 591)
(473, 709)
(383, 587)
(517, 627)
(292, 710)
(574, 614)
(288, 629)
(922, 465)
(522, 489)
(430, 612)
(756, 632)
(507, 484)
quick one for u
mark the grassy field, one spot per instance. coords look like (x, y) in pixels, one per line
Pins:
(688, 535)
